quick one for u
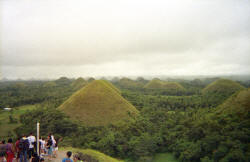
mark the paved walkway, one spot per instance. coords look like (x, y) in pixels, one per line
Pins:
(60, 156)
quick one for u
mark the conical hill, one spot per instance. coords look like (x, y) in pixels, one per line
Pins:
(238, 103)
(224, 87)
(78, 83)
(98, 103)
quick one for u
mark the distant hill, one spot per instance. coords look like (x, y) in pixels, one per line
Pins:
(129, 83)
(158, 84)
(91, 79)
(111, 86)
(63, 81)
(98, 103)
(49, 84)
(238, 103)
(78, 83)
(223, 87)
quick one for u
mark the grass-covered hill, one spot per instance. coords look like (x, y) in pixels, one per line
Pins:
(129, 83)
(98, 103)
(222, 86)
(111, 86)
(239, 104)
(78, 83)
(158, 84)
(95, 155)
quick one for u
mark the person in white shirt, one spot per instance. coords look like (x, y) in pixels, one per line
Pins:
(42, 141)
(32, 140)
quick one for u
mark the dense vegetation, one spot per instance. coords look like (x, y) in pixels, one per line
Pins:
(192, 125)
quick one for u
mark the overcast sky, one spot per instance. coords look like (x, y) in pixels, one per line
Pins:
(53, 38)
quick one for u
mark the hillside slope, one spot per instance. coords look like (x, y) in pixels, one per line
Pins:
(78, 83)
(98, 103)
(238, 103)
(93, 153)
(158, 84)
(223, 87)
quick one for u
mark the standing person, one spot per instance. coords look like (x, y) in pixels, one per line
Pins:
(56, 146)
(2, 150)
(49, 147)
(67, 159)
(17, 149)
(32, 140)
(23, 148)
(53, 144)
(42, 146)
(10, 150)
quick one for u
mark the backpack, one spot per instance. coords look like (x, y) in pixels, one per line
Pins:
(20, 144)
(23, 144)
(50, 143)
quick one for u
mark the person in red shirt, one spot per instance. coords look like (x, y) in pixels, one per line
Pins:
(17, 149)
(10, 151)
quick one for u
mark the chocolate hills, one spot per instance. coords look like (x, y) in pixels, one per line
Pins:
(223, 87)
(238, 103)
(98, 103)
(158, 84)
(129, 83)
(78, 83)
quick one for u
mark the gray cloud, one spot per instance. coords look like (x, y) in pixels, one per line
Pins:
(46, 38)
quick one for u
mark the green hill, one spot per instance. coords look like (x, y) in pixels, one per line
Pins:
(49, 84)
(129, 83)
(98, 103)
(238, 103)
(63, 81)
(93, 154)
(158, 84)
(223, 87)
(111, 86)
(78, 83)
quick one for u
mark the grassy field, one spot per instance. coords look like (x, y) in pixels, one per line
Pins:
(165, 157)
(6, 127)
(93, 153)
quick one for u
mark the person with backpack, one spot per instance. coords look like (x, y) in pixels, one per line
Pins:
(49, 147)
(32, 140)
(23, 148)
(10, 151)
(17, 149)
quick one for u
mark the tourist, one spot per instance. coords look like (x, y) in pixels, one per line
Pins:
(2, 151)
(56, 146)
(53, 144)
(42, 146)
(23, 148)
(67, 159)
(17, 149)
(10, 150)
(49, 147)
(32, 140)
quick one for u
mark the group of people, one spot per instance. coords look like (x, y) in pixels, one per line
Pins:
(25, 149)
